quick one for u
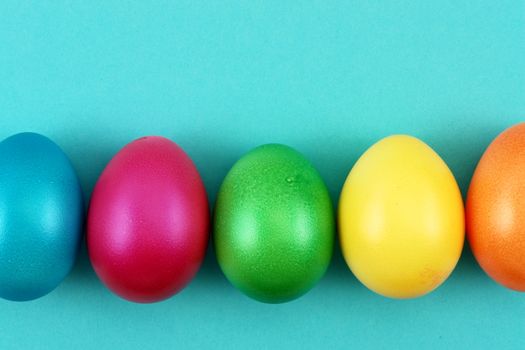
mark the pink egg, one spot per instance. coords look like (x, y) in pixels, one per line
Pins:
(148, 221)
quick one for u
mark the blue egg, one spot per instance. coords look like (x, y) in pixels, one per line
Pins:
(41, 216)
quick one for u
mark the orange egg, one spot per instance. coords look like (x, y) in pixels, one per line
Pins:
(495, 209)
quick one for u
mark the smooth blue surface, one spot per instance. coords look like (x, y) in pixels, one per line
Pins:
(41, 216)
(329, 78)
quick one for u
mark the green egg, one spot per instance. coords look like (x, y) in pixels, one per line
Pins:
(274, 224)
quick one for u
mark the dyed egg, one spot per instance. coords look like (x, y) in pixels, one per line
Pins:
(41, 216)
(401, 218)
(148, 221)
(274, 225)
(495, 209)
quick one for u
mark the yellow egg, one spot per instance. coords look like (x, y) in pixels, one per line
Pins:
(401, 218)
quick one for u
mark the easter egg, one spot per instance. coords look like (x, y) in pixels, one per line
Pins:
(148, 221)
(495, 209)
(401, 218)
(41, 216)
(274, 224)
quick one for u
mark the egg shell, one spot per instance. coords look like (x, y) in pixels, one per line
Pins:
(41, 216)
(148, 221)
(274, 224)
(495, 209)
(401, 218)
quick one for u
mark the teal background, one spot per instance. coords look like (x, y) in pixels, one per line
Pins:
(220, 77)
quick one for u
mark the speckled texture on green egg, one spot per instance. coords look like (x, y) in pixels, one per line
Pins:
(274, 224)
